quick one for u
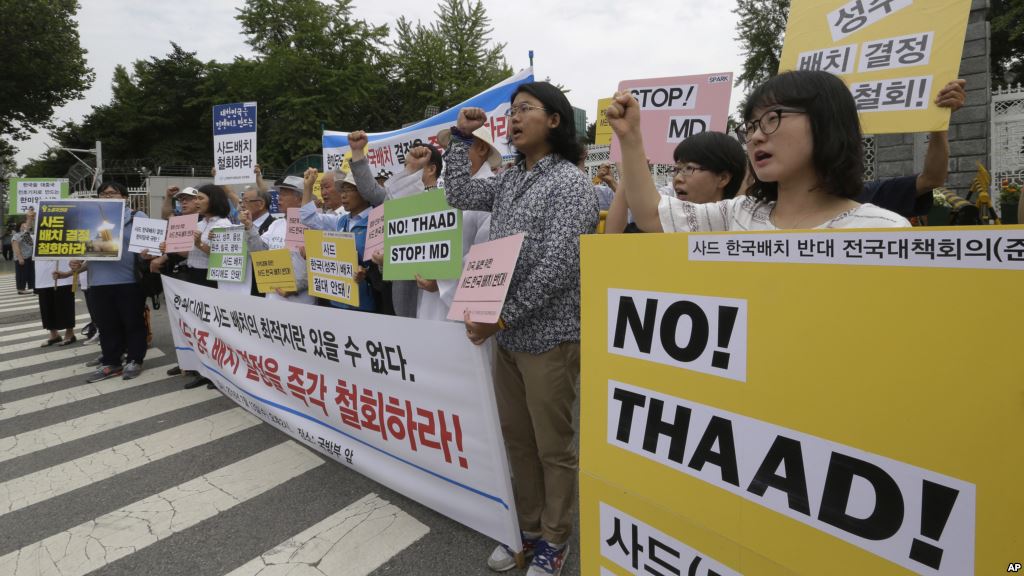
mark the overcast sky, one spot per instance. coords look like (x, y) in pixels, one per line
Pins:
(587, 46)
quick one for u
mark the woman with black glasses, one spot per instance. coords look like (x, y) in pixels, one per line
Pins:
(804, 146)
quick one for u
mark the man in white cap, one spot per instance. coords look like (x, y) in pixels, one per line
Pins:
(436, 296)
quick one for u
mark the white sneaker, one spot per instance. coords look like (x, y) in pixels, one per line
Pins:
(503, 559)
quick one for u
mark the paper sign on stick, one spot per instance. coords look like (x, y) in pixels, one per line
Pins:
(485, 279)
(294, 238)
(374, 233)
(228, 250)
(332, 266)
(673, 109)
(79, 229)
(181, 233)
(895, 55)
(234, 143)
(147, 234)
(603, 132)
(273, 269)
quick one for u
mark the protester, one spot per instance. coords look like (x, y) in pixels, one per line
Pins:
(421, 172)
(309, 214)
(709, 167)
(547, 198)
(289, 196)
(56, 301)
(257, 202)
(118, 300)
(355, 219)
(24, 271)
(804, 143)
(604, 187)
(8, 244)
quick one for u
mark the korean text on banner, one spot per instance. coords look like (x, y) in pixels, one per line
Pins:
(895, 55)
(332, 265)
(25, 193)
(181, 233)
(603, 131)
(422, 235)
(294, 237)
(387, 150)
(228, 251)
(673, 109)
(747, 418)
(79, 229)
(485, 279)
(374, 233)
(410, 404)
(273, 270)
(234, 143)
(147, 234)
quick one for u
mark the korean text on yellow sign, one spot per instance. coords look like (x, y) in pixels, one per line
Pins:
(895, 55)
(802, 403)
(332, 265)
(603, 131)
(273, 270)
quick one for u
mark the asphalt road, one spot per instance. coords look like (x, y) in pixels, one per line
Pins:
(142, 477)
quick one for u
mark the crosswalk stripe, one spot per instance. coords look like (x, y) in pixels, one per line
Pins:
(60, 354)
(35, 324)
(78, 393)
(22, 346)
(83, 426)
(17, 298)
(97, 543)
(19, 382)
(19, 308)
(63, 478)
(354, 541)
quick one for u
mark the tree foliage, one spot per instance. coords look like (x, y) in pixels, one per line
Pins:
(315, 66)
(43, 65)
(1007, 56)
(761, 33)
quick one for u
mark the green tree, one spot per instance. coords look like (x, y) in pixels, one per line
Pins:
(760, 31)
(43, 65)
(447, 61)
(1007, 42)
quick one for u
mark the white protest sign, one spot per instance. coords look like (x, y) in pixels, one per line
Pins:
(147, 234)
(29, 191)
(234, 143)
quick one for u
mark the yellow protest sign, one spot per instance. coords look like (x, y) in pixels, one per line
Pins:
(802, 403)
(331, 264)
(895, 55)
(603, 132)
(316, 186)
(273, 270)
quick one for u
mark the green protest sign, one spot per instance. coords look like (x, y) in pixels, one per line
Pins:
(25, 193)
(422, 235)
(227, 255)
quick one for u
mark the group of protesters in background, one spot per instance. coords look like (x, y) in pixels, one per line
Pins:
(795, 162)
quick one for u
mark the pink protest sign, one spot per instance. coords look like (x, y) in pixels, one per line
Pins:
(486, 274)
(181, 232)
(374, 232)
(673, 109)
(295, 238)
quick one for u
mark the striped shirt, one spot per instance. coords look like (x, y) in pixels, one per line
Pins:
(746, 213)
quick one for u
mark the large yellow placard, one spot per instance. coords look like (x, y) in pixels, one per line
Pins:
(332, 266)
(894, 54)
(828, 402)
(273, 270)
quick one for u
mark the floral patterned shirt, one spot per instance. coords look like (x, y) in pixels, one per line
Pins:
(552, 205)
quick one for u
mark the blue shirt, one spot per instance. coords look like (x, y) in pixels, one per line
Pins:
(111, 272)
(356, 224)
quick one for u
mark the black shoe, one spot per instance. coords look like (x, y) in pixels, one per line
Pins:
(174, 371)
(211, 386)
(197, 383)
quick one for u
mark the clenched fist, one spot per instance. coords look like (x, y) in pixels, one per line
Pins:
(470, 119)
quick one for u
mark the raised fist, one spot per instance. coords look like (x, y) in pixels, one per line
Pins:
(624, 116)
(470, 119)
